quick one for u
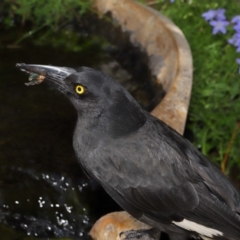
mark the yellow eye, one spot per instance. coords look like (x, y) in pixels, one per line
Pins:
(80, 89)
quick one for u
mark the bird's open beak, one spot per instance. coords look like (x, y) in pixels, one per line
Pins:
(51, 73)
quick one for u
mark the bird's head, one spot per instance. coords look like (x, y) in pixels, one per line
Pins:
(92, 93)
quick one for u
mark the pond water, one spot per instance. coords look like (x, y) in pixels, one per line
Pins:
(43, 191)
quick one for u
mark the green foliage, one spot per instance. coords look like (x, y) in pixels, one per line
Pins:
(47, 21)
(44, 12)
(215, 103)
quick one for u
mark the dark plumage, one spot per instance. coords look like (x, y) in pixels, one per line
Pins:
(148, 168)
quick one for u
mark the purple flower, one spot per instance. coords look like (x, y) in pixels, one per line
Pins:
(172, 1)
(209, 15)
(238, 49)
(237, 27)
(219, 26)
(220, 14)
(235, 40)
(236, 19)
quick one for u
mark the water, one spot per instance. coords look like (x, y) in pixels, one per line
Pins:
(43, 191)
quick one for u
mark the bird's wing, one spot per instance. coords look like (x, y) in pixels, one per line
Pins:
(163, 176)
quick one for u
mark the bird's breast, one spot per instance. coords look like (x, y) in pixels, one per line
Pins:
(89, 146)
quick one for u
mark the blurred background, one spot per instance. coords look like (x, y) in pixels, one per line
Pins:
(43, 191)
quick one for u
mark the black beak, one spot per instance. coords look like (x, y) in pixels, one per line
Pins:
(51, 73)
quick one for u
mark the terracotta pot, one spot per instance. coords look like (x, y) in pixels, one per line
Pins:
(168, 51)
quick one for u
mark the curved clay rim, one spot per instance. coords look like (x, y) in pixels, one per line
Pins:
(168, 51)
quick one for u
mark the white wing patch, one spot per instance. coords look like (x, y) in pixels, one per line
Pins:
(205, 238)
(195, 227)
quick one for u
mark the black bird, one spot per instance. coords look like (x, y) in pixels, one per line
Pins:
(149, 169)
